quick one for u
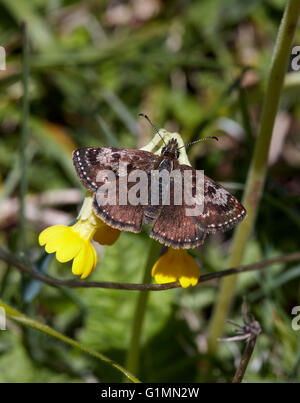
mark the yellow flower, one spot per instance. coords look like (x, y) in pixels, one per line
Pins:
(75, 242)
(106, 235)
(174, 265)
(70, 243)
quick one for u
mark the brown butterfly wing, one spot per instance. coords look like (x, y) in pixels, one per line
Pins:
(122, 217)
(174, 229)
(220, 212)
(89, 162)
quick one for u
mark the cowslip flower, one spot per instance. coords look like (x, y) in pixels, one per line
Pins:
(176, 264)
(74, 242)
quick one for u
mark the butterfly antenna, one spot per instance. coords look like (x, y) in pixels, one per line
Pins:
(152, 125)
(197, 141)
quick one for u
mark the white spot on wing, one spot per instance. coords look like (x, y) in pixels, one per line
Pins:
(104, 157)
(220, 197)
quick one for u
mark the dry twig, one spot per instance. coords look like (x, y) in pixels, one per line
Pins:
(25, 269)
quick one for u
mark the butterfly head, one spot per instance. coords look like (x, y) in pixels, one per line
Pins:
(170, 150)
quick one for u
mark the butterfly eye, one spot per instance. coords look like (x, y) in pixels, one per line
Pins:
(177, 154)
(163, 150)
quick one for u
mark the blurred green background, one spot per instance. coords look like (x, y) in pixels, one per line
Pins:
(197, 67)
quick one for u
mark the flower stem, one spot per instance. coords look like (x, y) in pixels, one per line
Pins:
(140, 309)
(258, 167)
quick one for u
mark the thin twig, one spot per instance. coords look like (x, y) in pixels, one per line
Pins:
(24, 268)
(251, 329)
(240, 372)
(239, 337)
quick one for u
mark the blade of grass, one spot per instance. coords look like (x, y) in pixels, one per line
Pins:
(14, 176)
(51, 141)
(109, 135)
(295, 370)
(276, 283)
(121, 110)
(24, 140)
(26, 321)
(258, 168)
(290, 211)
(118, 46)
(38, 28)
(140, 310)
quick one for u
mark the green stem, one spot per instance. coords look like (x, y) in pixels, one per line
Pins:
(140, 309)
(25, 320)
(24, 140)
(257, 171)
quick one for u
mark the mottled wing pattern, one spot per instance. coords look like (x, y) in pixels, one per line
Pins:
(174, 228)
(123, 217)
(89, 162)
(221, 210)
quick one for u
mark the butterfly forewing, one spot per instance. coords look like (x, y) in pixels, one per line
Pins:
(222, 210)
(90, 162)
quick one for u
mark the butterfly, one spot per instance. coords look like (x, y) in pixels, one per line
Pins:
(171, 225)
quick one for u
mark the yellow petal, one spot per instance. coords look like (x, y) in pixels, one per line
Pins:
(51, 245)
(73, 243)
(95, 258)
(50, 232)
(85, 261)
(106, 235)
(162, 271)
(188, 281)
(79, 261)
(69, 250)
(176, 264)
(90, 263)
(59, 240)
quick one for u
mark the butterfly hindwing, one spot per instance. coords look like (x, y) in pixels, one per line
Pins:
(173, 227)
(122, 217)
